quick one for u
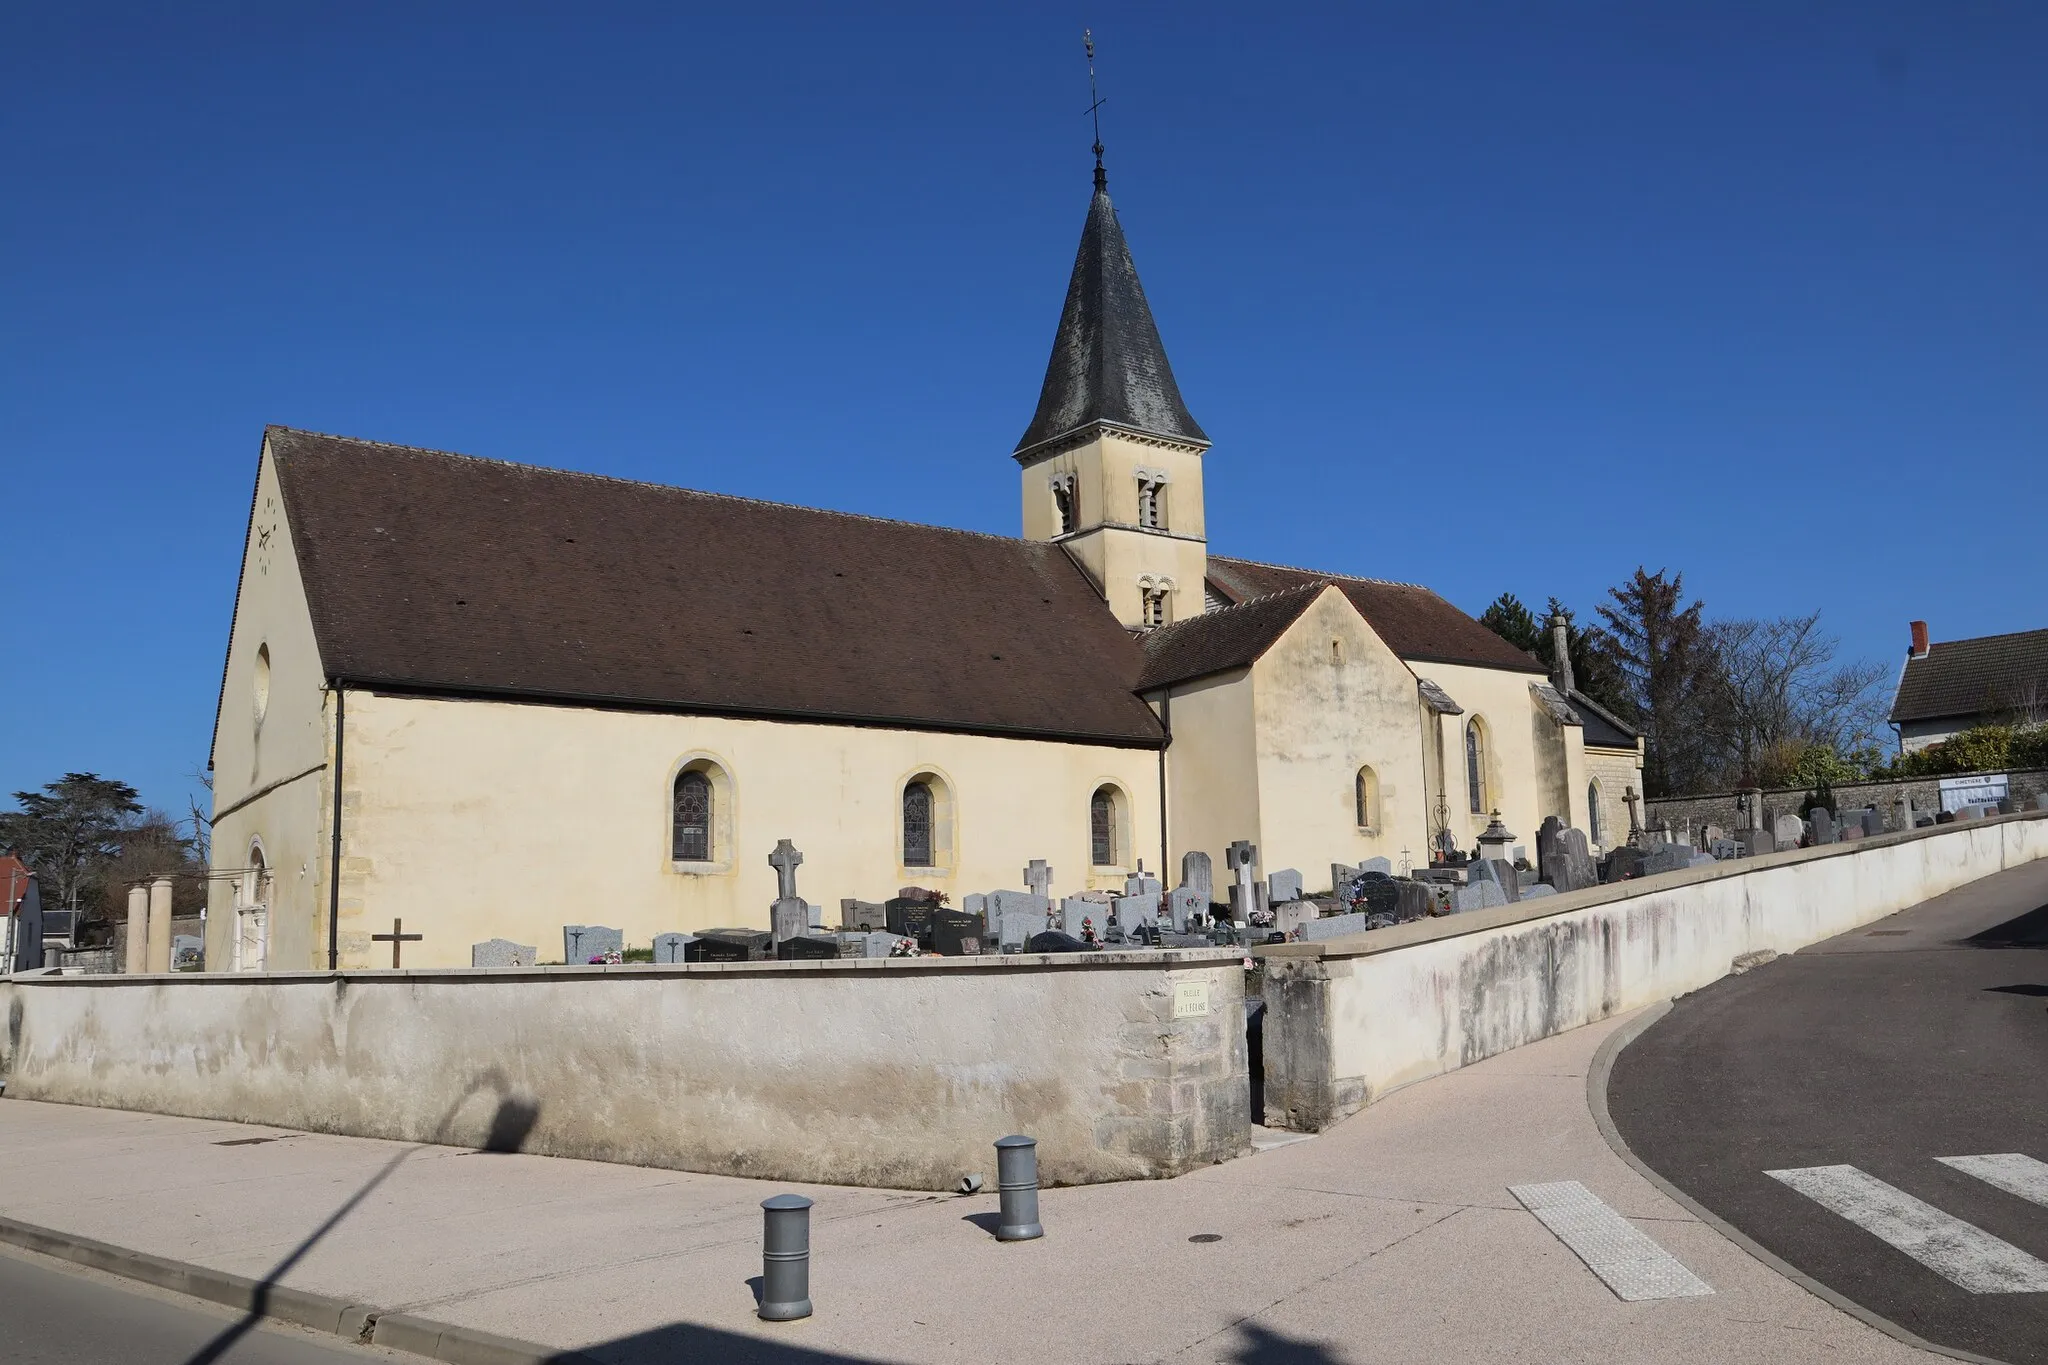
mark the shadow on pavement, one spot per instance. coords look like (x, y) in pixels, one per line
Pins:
(683, 1341)
(2024, 931)
(510, 1126)
(2028, 989)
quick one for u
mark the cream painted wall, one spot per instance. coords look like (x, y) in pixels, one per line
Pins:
(1502, 701)
(473, 819)
(1211, 769)
(269, 775)
(1107, 539)
(1321, 714)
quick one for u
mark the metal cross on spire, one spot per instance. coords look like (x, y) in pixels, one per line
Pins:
(1095, 108)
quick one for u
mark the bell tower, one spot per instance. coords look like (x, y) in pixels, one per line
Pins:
(1112, 462)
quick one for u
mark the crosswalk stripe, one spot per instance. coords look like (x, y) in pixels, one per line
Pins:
(2009, 1171)
(1957, 1251)
(1613, 1248)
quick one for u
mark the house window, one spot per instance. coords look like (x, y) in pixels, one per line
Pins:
(692, 823)
(1102, 827)
(1366, 796)
(1152, 504)
(1475, 767)
(1593, 810)
(917, 824)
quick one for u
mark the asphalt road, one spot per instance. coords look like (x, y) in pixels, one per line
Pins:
(1920, 1037)
(54, 1314)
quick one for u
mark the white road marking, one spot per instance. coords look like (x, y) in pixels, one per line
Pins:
(2009, 1171)
(1613, 1248)
(1957, 1251)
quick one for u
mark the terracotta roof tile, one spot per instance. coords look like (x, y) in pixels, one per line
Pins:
(1218, 641)
(1987, 675)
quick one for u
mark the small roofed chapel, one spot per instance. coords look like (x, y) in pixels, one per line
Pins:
(490, 700)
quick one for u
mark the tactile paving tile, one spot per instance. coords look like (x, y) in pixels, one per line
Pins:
(1621, 1254)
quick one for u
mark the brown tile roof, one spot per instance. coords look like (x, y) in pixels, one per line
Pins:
(1415, 622)
(440, 572)
(1218, 641)
(1987, 676)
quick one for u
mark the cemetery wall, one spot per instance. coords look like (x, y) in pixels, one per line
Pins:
(884, 1072)
(1350, 1020)
(271, 744)
(1321, 715)
(1718, 808)
(591, 843)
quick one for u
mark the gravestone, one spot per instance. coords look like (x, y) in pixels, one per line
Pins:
(1385, 865)
(1850, 830)
(1663, 858)
(1873, 822)
(2006, 806)
(1334, 926)
(1757, 841)
(1289, 916)
(789, 917)
(1539, 891)
(1820, 821)
(806, 948)
(1375, 893)
(1624, 864)
(1038, 876)
(1414, 901)
(187, 950)
(1077, 915)
(2041, 800)
(869, 915)
(878, 944)
(1501, 873)
(1284, 885)
(1788, 831)
(1342, 875)
(1141, 884)
(1482, 893)
(1902, 813)
(1053, 941)
(975, 903)
(1185, 906)
(1136, 912)
(729, 945)
(582, 942)
(1197, 875)
(906, 917)
(955, 933)
(1548, 853)
(502, 952)
(1242, 858)
(672, 947)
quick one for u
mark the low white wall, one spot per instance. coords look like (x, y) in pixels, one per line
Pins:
(892, 1072)
(1349, 1020)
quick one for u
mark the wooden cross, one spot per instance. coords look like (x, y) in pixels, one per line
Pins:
(784, 860)
(396, 937)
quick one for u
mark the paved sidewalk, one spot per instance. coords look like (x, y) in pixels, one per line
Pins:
(1391, 1238)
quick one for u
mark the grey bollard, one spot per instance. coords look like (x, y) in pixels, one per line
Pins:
(786, 1258)
(1017, 1185)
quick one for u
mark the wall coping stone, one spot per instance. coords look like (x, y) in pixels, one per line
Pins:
(1151, 960)
(1375, 941)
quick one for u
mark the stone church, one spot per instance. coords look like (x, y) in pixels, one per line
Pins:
(491, 699)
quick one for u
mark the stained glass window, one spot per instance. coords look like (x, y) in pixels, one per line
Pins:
(1102, 828)
(693, 817)
(917, 825)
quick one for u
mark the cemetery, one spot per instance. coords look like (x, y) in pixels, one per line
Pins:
(1135, 1035)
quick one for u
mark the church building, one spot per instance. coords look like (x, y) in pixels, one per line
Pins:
(492, 699)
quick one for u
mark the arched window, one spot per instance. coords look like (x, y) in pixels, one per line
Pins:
(692, 824)
(917, 824)
(1366, 793)
(1105, 833)
(1475, 767)
(1593, 810)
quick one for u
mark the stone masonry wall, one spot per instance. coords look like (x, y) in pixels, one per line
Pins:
(1718, 808)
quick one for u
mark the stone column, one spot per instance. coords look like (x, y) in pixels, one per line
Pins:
(138, 931)
(159, 959)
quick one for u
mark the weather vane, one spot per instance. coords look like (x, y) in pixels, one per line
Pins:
(1095, 106)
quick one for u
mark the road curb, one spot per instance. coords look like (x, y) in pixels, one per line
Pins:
(355, 1322)
(1597, 1077)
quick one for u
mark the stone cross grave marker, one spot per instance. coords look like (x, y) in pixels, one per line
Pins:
(397, 938)
(1038, 876)
(1242, 858)
(502, 952)
(789, 917)
(1632, 801)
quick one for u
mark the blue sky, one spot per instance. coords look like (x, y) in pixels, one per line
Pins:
(1482, 296)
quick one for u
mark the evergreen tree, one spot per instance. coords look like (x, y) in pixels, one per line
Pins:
(1510, 620)
(1667, 658)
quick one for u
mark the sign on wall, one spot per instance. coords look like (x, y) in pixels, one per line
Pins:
(1982, 789)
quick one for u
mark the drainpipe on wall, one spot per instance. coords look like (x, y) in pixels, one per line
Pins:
(1166, 723)
(334, 861)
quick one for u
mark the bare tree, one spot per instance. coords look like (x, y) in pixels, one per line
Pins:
(1784, 692)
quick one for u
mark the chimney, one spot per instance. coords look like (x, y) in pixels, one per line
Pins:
(1919, 640)
(1561, 651)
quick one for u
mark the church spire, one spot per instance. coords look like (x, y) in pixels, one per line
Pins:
(1108, 364)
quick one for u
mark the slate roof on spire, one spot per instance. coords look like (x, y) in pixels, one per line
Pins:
(1108, 364)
